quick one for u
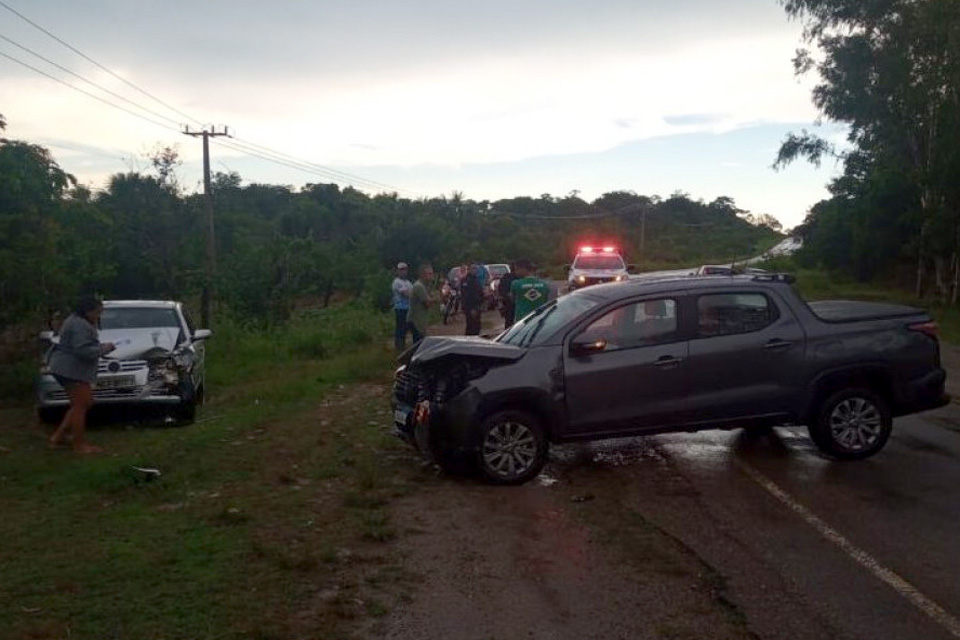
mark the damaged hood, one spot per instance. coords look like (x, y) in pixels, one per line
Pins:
(435, 347)
(133, 343)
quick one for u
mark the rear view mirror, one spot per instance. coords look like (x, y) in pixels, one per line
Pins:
(631, 268)
(584, 347)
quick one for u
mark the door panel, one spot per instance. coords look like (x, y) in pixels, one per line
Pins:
(638, 379)
(747, 357)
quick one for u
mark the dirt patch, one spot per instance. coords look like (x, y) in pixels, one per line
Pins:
(564, 559)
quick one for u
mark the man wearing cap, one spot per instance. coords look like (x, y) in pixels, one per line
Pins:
(401, 305)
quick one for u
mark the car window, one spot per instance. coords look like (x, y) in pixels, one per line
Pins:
(537, 327)
(635, 325)
(731, 313)
(138, 318)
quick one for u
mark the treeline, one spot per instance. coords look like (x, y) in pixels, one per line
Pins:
(890, 70)
(143, 237)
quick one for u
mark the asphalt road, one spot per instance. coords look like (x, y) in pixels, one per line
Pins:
(810, 547)
(805, 547)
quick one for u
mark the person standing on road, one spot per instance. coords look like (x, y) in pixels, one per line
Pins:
(506, 300)
(420, 303)
(528, 291)
(73, 362)
(472, 299)
(400, 290)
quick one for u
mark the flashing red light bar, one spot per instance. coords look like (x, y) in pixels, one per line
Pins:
(586, 249)
(608, 249)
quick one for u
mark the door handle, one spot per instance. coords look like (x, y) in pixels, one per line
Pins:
(664, 362)
(777, 343)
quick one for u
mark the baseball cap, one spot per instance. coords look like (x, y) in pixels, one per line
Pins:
(401, 265)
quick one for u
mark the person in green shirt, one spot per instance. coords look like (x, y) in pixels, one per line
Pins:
(420, 301)
(527, 291)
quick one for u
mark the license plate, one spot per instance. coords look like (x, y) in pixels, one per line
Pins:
(117, 382)
(400, 416)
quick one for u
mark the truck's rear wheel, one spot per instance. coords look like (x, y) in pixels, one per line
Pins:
(852, 424)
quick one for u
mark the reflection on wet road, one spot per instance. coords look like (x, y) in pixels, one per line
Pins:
(864, 549)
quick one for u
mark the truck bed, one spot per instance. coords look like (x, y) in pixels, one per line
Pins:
(855, 310)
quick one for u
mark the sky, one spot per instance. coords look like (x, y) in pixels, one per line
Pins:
(425, 97)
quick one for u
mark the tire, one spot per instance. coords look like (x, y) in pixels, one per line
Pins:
(447, 311)
(513, 448)
(852, 424)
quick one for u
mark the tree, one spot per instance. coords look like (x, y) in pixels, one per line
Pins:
(890, 70)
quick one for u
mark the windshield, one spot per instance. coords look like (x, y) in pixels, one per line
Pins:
(594, 261)
(138, 318)
(535, 328)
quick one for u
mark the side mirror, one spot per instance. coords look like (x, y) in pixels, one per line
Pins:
(46, 336)
(202, 334)
(631, 268)
(581, 346)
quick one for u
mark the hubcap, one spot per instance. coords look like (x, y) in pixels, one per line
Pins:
(855, 424)
(509, 449)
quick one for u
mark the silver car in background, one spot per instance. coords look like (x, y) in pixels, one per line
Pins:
(159, 360)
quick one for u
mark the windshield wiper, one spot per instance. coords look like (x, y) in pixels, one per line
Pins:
(536, 330)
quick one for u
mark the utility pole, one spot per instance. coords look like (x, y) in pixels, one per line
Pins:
(210, 268)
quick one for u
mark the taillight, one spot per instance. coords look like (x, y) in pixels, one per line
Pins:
(931, 329)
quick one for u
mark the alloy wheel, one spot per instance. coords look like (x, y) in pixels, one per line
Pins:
(855, 424)
(509, 449)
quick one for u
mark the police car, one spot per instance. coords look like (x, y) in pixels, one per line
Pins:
(594, 265)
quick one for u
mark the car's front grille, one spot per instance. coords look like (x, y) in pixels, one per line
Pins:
(106, 367)
(407, 387)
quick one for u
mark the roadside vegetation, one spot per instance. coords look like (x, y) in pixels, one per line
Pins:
(269, 517)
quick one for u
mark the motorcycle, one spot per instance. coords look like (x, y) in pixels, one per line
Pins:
(451, 301)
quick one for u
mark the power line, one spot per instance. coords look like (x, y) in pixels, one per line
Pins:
(306, 167)
(83, 91)
(90, 82)
(265, 153)
(320, 167)
(91, 60)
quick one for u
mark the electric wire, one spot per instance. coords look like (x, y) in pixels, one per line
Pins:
(248, 147)
(92, 61)
(301, 166)
(320, 167)
(85, 92)
(90, 82)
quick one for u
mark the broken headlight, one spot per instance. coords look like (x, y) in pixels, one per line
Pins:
(164, 370)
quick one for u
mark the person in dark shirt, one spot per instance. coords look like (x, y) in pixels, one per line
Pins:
(471, 293)
(507, 305)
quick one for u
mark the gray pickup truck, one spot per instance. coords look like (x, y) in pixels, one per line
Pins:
(671, 354)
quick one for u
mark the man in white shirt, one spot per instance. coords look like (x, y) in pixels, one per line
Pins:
(401, 304)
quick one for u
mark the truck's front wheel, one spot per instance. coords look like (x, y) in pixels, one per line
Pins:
(852, 424)
(513, 447)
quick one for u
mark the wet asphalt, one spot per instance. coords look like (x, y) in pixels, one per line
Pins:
(809, 547)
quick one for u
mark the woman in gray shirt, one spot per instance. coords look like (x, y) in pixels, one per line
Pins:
(73, 362)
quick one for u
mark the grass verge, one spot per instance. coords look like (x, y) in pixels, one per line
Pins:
(269, 519)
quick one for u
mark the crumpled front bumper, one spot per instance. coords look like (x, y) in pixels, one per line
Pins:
(434, 428)
(50, 394)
